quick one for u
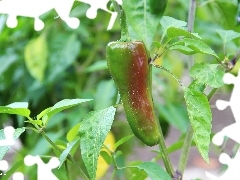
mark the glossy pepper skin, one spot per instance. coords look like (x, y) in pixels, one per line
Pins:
(129, 68)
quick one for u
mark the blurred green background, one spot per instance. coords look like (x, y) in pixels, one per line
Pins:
(58, 62)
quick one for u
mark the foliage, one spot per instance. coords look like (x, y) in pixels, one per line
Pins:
(62, 74)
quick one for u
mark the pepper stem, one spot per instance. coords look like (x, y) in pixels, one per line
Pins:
(124, 29)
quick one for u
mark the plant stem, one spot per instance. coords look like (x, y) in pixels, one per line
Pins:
(33, 129)
(113, 174)
(185, 150)
(188, 141)
(191, 15)
(112, 153)
(113, 157)
(175, 77)
(164, 153)
(69, 157)
(124, 29)
(191, 19)
(210, 95)
(162, 145)
(116, 6)
(67, 171)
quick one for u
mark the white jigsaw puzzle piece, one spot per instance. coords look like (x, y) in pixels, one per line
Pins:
(18, 176)
(4, 165)
(232, 131)
(232, 171)
(229, 78)
(95, 5)
(44, 170)
(36, 8)
(9, 140)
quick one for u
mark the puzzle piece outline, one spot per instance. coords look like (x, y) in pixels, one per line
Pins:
(4, 166)
(232, 169)
(9, 139)
(231, 131)
(35, 8)
(96, 5)
(42, 171)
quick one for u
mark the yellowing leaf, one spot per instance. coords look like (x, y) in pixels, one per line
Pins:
(36, 54)
(102, 166)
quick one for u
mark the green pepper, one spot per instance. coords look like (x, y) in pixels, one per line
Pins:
(129, 68)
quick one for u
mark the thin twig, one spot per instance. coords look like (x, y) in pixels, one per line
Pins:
(188, 139)
(67, 171)
(69, 157)
(112, 155)
(191, 19)
(165, 69)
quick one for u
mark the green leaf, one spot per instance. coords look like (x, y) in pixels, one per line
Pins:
(58, 107)
(18, 108)
(183, 49)
(167, 22)
(156, 44)
(174, 114)
(174, 147)
(12, 170)
(136, 173)
(41, 142)
(197, 45)
(65, 153)
(37, 122)
(177, 146)
(23, 105)
(73, 132)
(142, 21)
(104, 94)
(64, 48)
(107, 158)
(153, 170)
(6, 61)
(200, 116)
(173, 32)
(121, 141)
(197, 85)
(97, 66)
(36, 54)
(4, 149)
(210, 74)
(44, 112)
(227, 10)
(227, 35)
(93, 131)
(64, 104)
(118, 154)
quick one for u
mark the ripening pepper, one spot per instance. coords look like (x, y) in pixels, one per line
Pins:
(129, 68)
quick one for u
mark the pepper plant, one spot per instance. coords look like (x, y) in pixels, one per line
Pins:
(136, 65)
